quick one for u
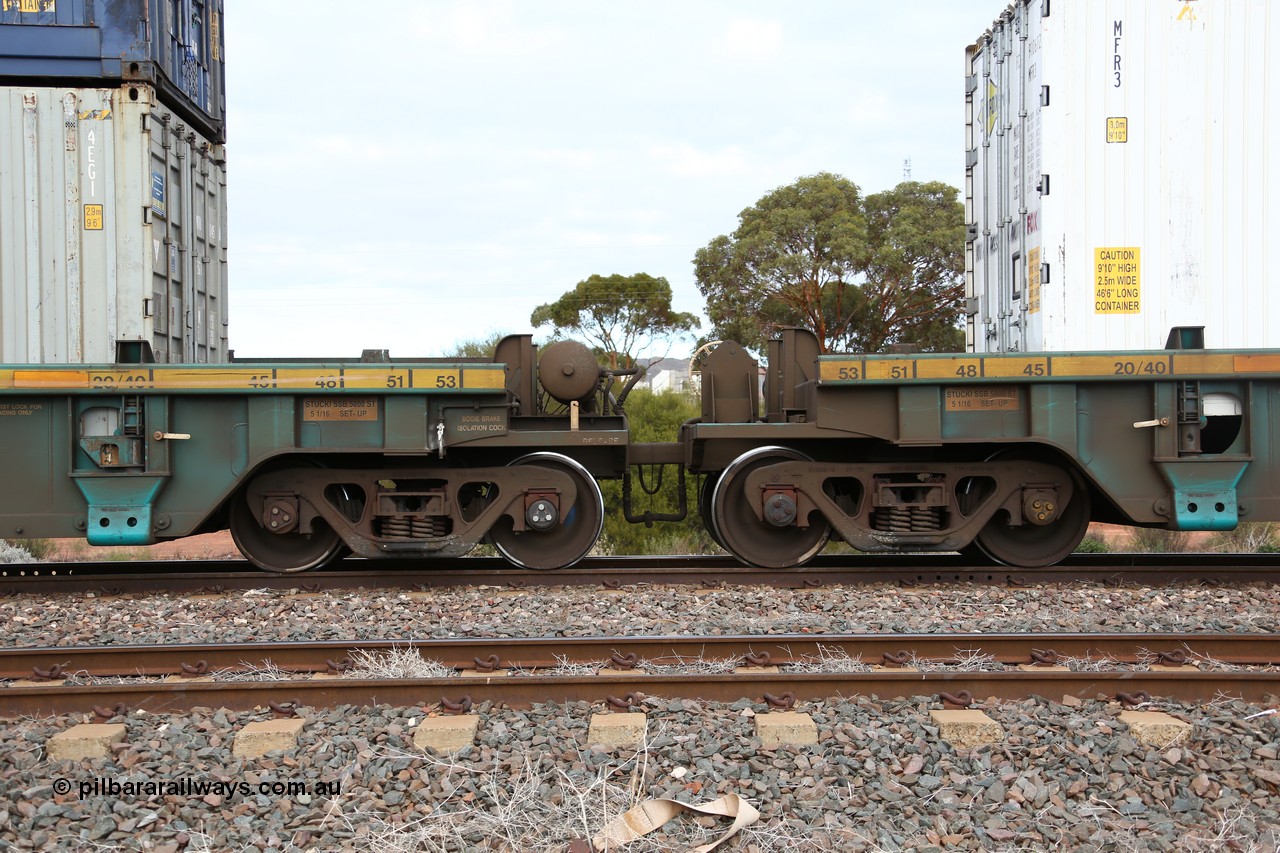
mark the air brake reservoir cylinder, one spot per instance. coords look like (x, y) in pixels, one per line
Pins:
(569, 372)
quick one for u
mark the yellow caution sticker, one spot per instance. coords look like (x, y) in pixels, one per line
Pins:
(1117, 280)
(1118, 129)
(1033, 280)
(29, 6)
(93, 217)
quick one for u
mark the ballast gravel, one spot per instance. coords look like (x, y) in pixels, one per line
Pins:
(1068, 776)
(262, 615)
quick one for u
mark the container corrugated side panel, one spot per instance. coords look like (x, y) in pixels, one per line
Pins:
(80, 233)
(1002, 177)
(1186, 198)
(175, 45)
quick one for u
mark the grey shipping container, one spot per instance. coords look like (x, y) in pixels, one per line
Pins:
(113, 230)
(173, 45)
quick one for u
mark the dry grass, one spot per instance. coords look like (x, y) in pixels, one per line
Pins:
(964, 660)
(677, 665)
(1250, 537)
(1234, 830)
(830, 659)
(396, 662)
(566, 668)
(262, 671)
(1088, 663)
(526, 809)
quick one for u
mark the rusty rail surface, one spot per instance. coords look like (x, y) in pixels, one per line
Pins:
(542, 652)
(519, 677)
(219, 575)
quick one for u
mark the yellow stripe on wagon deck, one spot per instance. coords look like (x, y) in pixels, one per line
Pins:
(1118, 365)
(1214, 363)
(840, 370)
(1014, 367)
(256, 378)
(50, 379)
(484, 377)
(1111, 365)
(1268, 363)
(949, 368)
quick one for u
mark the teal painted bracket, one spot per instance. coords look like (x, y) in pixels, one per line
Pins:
(119, 508)
(1198, 509)
(1204, 494)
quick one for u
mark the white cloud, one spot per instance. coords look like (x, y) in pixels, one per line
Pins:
(690, 162)
(749, 39)
(870, 107)
(484, 29)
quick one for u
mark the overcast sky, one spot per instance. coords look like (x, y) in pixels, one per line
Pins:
(409, 175)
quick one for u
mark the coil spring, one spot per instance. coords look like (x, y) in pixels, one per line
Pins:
(414, 528)
(896, 519)
(926, 518)
(901, 519)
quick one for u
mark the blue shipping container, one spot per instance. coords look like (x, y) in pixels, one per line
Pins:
(175, 45)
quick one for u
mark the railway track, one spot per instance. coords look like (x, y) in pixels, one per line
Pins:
(1188, 667)
(229, 575)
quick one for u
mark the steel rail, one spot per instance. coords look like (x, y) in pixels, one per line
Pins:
(533, 653)
(221, 575)
(179, 697)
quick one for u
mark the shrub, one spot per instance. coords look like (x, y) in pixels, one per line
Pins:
(1249, 537)
(1158, 540)
(1093, 545)
(27, 550)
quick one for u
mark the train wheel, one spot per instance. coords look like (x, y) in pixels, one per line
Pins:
(281, 552)
(1033, 546)
(704, 507)
(567, 541)
(751, 539)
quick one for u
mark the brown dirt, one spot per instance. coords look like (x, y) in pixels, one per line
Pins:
(1118, 536)
(216, 546)
(210, 546)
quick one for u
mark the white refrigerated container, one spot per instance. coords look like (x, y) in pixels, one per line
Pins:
(1122, 175)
